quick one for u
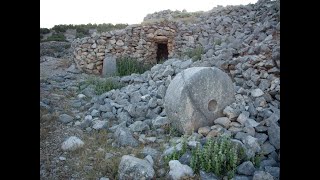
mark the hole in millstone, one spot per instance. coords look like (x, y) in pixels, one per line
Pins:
(212, 105)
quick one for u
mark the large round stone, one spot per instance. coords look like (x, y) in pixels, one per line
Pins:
(197, 96)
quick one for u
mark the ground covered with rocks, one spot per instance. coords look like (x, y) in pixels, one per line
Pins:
(128, 132)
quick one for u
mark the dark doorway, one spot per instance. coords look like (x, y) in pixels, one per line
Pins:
(162, 52)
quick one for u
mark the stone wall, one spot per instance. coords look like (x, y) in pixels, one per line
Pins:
(136, 41)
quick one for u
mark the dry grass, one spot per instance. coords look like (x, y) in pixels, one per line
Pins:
(93, 155)
(64, 63)
(46, 123)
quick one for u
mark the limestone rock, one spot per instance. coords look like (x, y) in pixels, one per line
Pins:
(197, 96)
(134, 168)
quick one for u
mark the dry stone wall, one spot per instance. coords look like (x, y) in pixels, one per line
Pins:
(136, 41)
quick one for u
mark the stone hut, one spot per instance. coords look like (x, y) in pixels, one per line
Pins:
(148, 43)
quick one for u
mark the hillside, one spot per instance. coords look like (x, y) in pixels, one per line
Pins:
(191, 96)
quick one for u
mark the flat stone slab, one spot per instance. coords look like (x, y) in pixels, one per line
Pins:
(109, 66)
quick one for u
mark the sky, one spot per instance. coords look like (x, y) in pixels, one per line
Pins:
(54, 12)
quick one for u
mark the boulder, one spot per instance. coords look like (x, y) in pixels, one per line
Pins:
(178, 170)
(135, 169)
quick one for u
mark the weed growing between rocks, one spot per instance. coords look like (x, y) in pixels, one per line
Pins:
(219, 156)
(195, 54)
(100, 85)
(127, 66)
(177, 154)
(256, 160)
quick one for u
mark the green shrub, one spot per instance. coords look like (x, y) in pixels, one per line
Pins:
(80, 35)
(100, 85)
(218, 156)
(127, 66)
(256, 160)
(41, 36)
(83, 29)
(44, 30)
(195, 54)
(56, 37)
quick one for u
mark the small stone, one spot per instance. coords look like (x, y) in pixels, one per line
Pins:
(274, 135)
(267, 162)
(262, 175)
(100, 125)
(88, 117)
(252, 144)
(237, 177)
(72, 143)
(249, 130)
(230, 112)
(193, 144)
(81, 96)
(261, 137)
(95, 113)
(139, 126)
(178, 170)
(251, 123)
(134, 168)
(149, 159)
(246, 168)
(207, 176)
(213, 133)
(224, 121)
(104, 178)
(256, 92)
(261, 128)
(204, 130)
(274, 171)
(150, 151)
(185, 158)
(65, 118)
(108, 155)
(241, 136)
(61, 158)
(160, 121)
(242, 118)
(123, 137)
(267, 148)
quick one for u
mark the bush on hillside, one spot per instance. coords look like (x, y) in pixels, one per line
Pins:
(195, 54)
(56, 37)
(44, 30)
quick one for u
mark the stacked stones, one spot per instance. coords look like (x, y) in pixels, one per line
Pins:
(134, 41)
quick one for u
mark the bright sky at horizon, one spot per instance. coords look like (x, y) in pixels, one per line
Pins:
(54, 12)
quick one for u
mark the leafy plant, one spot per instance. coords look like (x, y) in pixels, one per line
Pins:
(127, 66)
(218, 156)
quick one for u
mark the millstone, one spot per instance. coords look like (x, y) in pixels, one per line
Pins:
(196, 97)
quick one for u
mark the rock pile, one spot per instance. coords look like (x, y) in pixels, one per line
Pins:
(241, 41)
